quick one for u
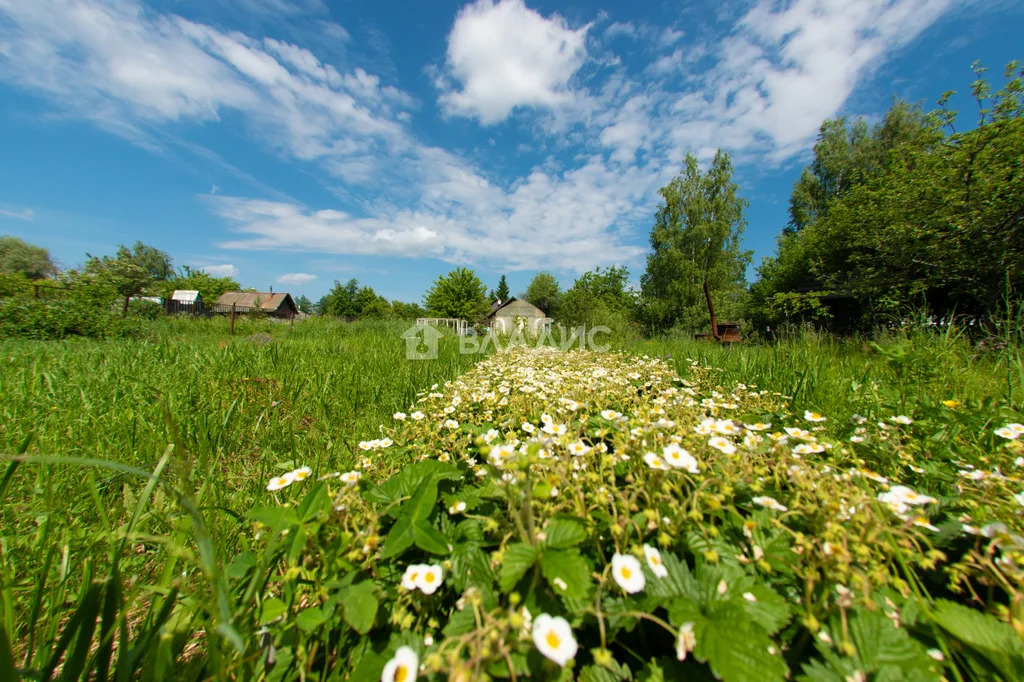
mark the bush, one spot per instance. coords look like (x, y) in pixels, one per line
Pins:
(61, 318)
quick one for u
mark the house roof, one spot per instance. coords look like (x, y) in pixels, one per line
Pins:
(185, 295)
(256, 299)
(522, 307)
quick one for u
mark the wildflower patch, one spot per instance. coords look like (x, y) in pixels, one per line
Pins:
(568, 515)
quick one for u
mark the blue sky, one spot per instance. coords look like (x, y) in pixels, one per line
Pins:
(295, 142)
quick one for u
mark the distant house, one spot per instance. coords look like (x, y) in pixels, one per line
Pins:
(275, 305)
(186, 296)
(508, 316)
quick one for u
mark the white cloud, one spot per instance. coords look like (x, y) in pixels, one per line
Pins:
(504, 55)
(22, 214)
(614, 135)
(225, 270)
(296, 278)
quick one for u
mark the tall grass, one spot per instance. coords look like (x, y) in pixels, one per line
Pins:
(211, 417)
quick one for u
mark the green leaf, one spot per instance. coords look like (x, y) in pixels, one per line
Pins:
(277, 518)
(399, 538)
(737, 649)
(419, 506)
(412, 478)
(678, 583)
(615, 673)
(310, 619)
(569, 568)
(360, 604)
(564, 531)
(428, 538)
(459, 623)
(991, 638)
(770, 611)
(271, 610)
(7, 669)
(517, 560)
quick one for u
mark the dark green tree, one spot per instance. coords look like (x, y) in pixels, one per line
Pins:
(599, 297)
(501, 293)
(458, 294)
(696, 246)
(304, 304)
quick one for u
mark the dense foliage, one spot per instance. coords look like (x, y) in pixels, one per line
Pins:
(909, 215)
(459, 294)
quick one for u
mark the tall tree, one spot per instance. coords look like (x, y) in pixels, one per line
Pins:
(502, 292)
(543, 292)
(17, 256)
(458, 294)
(696, 244)
(304, 304)
(599, 297)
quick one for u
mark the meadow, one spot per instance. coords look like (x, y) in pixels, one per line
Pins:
(197, 506)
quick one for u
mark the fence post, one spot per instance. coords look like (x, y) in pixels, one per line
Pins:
(232, 319)
(167, 306)
(36, 287)
(293, 320)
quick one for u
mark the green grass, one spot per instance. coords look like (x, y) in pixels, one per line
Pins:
(214, 417)
(237, 409)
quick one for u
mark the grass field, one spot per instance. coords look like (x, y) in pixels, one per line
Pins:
(87, 531)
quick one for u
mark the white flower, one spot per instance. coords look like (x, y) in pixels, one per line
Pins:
(726, 427)
(279, 482)
(351, 477)
(578, 448)
(723, 444)
(417, 415)
(553, 638)
(749, 596)
(798, 433)
(411, 576)
(459, 506)
(627, 573)
(1011, 431)
(554, 429)
(808, 448)
(856, 439)
(400, 416)
(901, 419)
(680, 458)
(385, 443)
(301, 474)
(366, 444)
(686, 641)
(1019, 498)
(769, 502)
(723, 587)
(528, 427)
(402, 668)
(654, 561)
(451, 424)
(490, 435)
(610, 414)
(759, 426)
(655, 462)
(430, 578)
(814, 416)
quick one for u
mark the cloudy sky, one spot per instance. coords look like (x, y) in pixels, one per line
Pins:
(295, 142)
